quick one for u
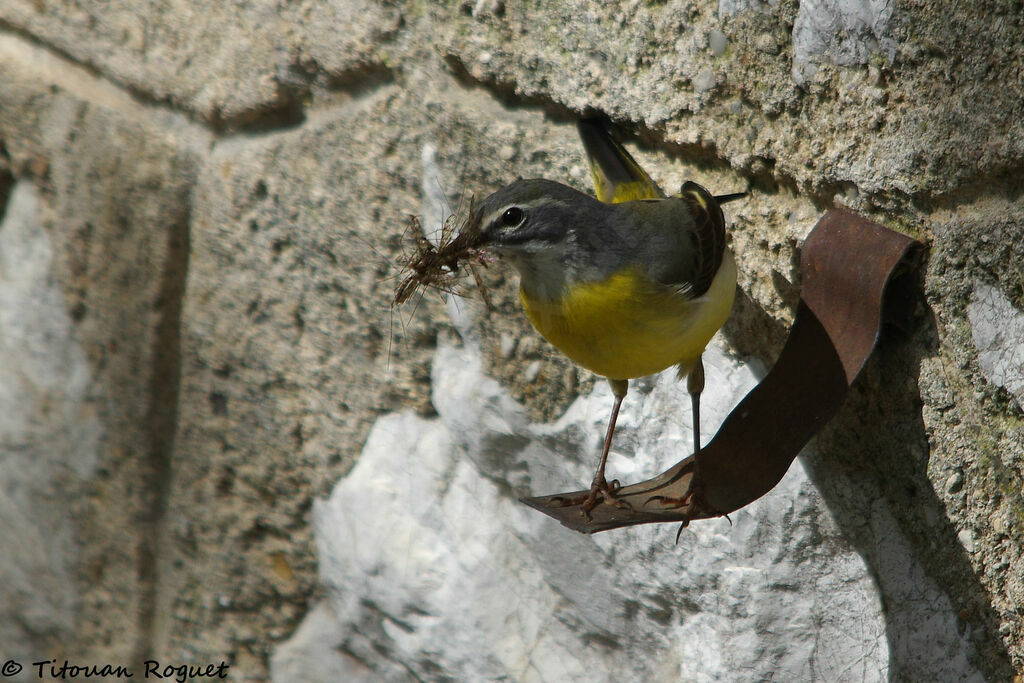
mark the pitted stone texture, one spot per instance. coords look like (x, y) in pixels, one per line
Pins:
(882, 126)
(230, 64)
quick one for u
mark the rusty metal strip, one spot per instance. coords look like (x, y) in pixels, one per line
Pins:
(850, 268)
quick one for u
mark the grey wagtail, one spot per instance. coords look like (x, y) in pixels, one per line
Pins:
(625, 285)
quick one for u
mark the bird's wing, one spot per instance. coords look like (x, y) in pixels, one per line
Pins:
(708, 235)
(617, 176)
(680, 241)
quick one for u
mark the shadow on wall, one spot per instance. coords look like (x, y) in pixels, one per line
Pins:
(870, 465)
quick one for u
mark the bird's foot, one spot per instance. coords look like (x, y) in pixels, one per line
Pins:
(691, 503)
(601, 490)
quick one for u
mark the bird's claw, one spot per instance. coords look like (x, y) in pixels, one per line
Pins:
(690, 503)
(603, 490)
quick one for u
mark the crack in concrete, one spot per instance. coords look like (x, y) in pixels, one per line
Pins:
(6, 177)
(161, 422)
(1003, 182)
(704, 155)
(296, 87)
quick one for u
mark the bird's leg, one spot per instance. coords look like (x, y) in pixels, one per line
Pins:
(601, 488)
(695, 385)
(693, 498)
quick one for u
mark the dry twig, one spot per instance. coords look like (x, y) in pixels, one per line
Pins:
(438, 267)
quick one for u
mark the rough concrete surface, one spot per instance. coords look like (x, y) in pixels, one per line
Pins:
(200, 211)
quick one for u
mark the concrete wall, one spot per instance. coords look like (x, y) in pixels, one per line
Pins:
(201, 209)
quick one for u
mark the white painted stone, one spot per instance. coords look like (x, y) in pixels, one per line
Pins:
(844, 32)
(728, 8)
(47, 437)
(717, 42)
(704, 80)
(998, 331)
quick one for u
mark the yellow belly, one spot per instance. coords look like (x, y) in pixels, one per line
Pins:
(627, 327)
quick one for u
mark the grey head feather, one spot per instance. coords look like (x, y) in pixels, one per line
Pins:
(547, 231)
(548, 210)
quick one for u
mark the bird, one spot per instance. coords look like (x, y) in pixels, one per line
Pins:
(626, 284)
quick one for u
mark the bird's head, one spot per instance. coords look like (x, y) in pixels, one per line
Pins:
(536, 225)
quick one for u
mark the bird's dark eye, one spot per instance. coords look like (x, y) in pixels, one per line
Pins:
(512, 217)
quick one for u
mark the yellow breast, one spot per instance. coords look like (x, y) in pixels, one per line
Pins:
(627, 326)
